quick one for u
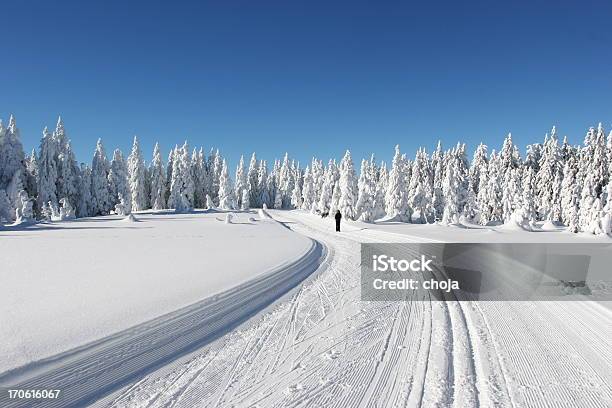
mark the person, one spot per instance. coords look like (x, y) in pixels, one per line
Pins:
(338, 218)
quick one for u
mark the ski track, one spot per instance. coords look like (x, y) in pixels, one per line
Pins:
(321, 346)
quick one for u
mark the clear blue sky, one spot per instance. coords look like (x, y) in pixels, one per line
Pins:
(311, 78)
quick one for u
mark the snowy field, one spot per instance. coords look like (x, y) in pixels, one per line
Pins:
(310, 340)
(324, 347)
(69, 283)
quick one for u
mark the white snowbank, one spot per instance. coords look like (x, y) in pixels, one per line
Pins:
(66, 284)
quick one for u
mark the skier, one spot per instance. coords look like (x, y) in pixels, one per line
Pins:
(338, 218)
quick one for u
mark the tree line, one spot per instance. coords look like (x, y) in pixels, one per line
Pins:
(555, 182)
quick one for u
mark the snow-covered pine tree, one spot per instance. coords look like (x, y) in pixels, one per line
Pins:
(253, 188)
(85, 204)
(12, 157)
(437, 169)
(381, 190)
(226, 192)
(262, 185)
(606, 221)
(528, 197)
(450, 189)
(348, 188)
(479, 165)
(136, 177)
(296, 194)
(599, 161)
(367, 190)
(284, 182)
(31, 185)
(545, 177)
(396, 199)
(511, 194)
(318, 178)
(169, 168)
(494, 189)
(158, 180)
(68, 169)
(587, 204)
(12, 161)
(118, 181)
(198, 168)
(420, 191)
(48, 171)
(327, 188)
(533, 156)
(308, 192)
(241, 182)
(100, 192)
(509, 155)
(245, 204)
(568, 190)
(217, 168)
(462, 174)
(188, 187)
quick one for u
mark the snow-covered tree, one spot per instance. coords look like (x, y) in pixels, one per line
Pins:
(118, 181)
(68, 182)
(245, 204)
(545, 177)
(570, 196)
(47, 169)
(511, 194)
(254, 185)
(263, 196)
(348, 188)
(296, 194)
(241, 182)
(366, 193)
(396, 199)
(420, 190)
(12, 157)
(181, 186)
(158, 180)
(587, 204)
(317, 173)
(85, 205)
(199, 175)
(450, 188)
(100, 192)
(308, 192)
(327, 189)
(226, 192)
(31, 184)
(136, 175)
(528, 197)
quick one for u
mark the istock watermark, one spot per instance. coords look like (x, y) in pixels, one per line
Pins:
(483, 271)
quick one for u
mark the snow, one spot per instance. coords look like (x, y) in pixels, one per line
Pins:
(93, 277)
(322, 346)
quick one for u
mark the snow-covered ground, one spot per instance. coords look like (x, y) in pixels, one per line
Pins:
(320, 345)
(69, 283)
(324, 347)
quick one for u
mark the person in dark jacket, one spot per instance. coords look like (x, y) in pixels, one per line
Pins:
(338, 218)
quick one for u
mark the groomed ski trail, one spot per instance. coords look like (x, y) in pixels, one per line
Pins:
(88, 373)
